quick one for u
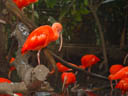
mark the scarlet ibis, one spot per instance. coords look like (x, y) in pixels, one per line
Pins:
(67, 79)
(123, 85)
(89, 60)
(4, 80)
(62, 68)
(82, 66)
(11, 68)
(113, 69)
(23, 3)
(122, 73)
(41, 37)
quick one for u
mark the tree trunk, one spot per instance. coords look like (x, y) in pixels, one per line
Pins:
(3, 45)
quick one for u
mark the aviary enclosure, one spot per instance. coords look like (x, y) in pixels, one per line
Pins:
(96, 29)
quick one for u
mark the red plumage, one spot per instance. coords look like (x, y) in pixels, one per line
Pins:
(89, 60)
(123, 85)
(115, 68)
(122, 73)
(23, 3)
(38, 39)
(69, 78)
(62, 68)
(41, 37)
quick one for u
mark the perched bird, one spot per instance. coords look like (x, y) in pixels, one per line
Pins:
(113, 70)
(41, 37)
(122, 73)
(4, 80)
(67, 79)
(12, 68)
(82, 66)
(123, 85)
(62, 68)
(89, 60)
(23, 3)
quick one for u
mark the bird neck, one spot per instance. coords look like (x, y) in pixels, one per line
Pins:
(56, 35)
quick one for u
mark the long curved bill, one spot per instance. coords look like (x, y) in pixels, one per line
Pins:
(61, 42)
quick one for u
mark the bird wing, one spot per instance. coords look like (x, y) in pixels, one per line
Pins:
(122, 73)
(38, 39)
(37, 42)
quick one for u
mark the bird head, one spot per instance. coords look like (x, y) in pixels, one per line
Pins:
(57, 29)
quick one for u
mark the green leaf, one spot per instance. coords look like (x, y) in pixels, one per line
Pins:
(36, 14)
(51, 3)
(86, 11)
(78, 17)
(51, 19)
(85, 2)
(63, 13)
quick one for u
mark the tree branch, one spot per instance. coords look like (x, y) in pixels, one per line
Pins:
(76, 68)
(94, 13)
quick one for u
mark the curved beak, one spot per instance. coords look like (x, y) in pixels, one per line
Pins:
(61, 42)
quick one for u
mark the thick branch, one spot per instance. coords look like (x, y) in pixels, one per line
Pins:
(16, 11)
(76, 68)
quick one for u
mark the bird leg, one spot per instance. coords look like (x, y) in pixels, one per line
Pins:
(116, 81)
(126, 93)
(89, 70)
(38, 56)
(111, 84)
(63, 86)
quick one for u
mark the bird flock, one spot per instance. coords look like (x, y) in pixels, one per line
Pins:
(45, 34)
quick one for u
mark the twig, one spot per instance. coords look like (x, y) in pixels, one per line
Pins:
(125, 59)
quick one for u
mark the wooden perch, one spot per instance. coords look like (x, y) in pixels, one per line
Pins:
(32, 77)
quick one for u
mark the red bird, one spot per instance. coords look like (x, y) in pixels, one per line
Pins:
(113, 70)
(89, 60)
(62, 68)
(11, 68)
(67, 79)
(41, 37)
(122, 73)
(123, 85)
(4, 80)
(23, 3)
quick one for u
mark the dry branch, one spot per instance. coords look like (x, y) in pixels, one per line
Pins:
(76, 68)
(93, 8)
